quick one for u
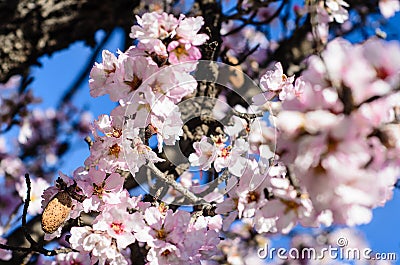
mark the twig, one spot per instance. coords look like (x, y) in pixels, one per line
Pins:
(245, 23)
(25, 210)
(242, 58)
(169, 179)
(250, 21)
(34, 246)
(247, 116)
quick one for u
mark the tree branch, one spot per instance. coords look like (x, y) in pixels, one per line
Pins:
(170, 180)
(31, 29)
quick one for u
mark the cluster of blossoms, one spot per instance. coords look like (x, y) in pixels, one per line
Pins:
(332, 117)
(170, 237)
(147, 90)
(343, 115)
(327, 11)
(338, 114)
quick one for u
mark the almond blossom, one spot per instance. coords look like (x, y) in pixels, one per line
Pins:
(275, 82)
(184, 49)
(152, 28)
(205, 154)
(99, 188)
(118, 224)
(119, 77)
(100, 245)
(320, 137)
(174, 239)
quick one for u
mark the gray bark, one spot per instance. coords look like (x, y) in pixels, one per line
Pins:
(30, 29)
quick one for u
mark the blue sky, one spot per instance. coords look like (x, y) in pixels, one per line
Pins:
(60, 70)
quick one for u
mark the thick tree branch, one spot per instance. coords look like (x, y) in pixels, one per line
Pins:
(31, 29)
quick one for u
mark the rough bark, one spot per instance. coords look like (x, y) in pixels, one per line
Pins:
(31, 29)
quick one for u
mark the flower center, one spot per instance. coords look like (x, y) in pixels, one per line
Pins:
(382, 73)
(225, 151)
(161, 234)
(179, 51)
(110, 71)
(165, 252)
(116, 132)
(114, 150)
(134, 83)
(117, 227)
(98, 190)
(219, 139)
(290, 205)
(252, 196)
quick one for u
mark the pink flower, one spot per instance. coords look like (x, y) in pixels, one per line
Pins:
(168, 254)
(102, 75)
(184, 49)
(232, 157)
(169, 227)
(287, 208)
(99, 188)
(182, 52)
(100, 245)
(119, 77)
(246, 196)
(250, 190)
(173, 82)
(275, 82)
(386, 62)
(169, 131)
(205, 154)
(107, 151)
(154, 26)
(188, 30)
(174, 239)
(133, 70)
(137, 153)
(119, 224)
(152, 29)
